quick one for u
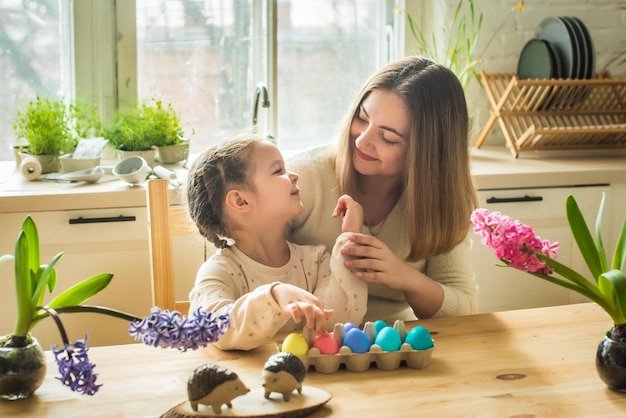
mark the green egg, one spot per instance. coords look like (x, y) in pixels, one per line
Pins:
(380, 324)
(419, 338)
(388, 339)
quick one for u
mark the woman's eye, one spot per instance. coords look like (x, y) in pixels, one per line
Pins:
(279, 171)
(387, 141)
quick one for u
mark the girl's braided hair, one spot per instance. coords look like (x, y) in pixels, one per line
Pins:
(217, 170)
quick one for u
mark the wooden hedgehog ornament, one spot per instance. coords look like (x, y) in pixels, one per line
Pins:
(212, 385)
(283, 373)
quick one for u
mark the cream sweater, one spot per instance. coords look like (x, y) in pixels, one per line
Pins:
(319, 191)
(232, 282)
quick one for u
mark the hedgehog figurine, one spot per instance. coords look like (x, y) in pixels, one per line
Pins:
(283, 372)
(212, 385)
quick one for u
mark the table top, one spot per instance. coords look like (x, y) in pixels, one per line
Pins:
(532, 363)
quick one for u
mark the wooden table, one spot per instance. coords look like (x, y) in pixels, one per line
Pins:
(527, 363)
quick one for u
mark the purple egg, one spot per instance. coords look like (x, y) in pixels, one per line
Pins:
(348, 326)
(357, 341)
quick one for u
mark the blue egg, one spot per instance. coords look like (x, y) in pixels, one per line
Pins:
(419, 338)
(388, 339)
(357, 341)
(380, 324)
(348, 326)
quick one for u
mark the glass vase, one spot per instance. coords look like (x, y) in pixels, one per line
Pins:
(22, 369)
(611, 363)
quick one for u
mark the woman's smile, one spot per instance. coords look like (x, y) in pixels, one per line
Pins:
(364, 156)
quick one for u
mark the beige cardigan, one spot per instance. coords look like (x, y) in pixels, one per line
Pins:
(319, 191)
(232, 282)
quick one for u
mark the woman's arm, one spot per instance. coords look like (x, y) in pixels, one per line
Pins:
(445, 288)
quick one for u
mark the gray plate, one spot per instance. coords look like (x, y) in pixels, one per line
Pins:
(554, 30)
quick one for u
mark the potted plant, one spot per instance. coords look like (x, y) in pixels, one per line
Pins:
(48, 127)
(22, 362)
(128, 136)
(515, 244)
(163, 129)
(145, 128)
(43, 128)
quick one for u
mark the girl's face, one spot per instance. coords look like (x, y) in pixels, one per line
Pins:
(380, 134)
(275, 189)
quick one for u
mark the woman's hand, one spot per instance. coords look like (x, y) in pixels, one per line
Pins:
(352, 213)
(299, 303)
(374, 262)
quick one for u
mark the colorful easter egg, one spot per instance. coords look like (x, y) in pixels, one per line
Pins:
(388, 339)
(295, 344)
(419, 338)
(380, 324)
(327, 344)
(357, 341)
(348, 326)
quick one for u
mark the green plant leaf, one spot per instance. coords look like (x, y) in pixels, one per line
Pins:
(612, 284)
(619, 256)
(81, 291)
(47, 278)
(599, 243)
(23, 285)
(583, 237)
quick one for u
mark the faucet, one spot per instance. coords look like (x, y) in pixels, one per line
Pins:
(261, 89)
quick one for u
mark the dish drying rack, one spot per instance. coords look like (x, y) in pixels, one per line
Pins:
(551, 114)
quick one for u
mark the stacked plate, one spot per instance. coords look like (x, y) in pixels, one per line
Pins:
(562, 48)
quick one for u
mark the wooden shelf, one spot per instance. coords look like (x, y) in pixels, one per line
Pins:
(550, 114)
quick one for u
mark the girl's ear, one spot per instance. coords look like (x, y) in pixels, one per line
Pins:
(236, 200)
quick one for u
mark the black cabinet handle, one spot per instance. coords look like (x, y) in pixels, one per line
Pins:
(121, 218)
(515, 199)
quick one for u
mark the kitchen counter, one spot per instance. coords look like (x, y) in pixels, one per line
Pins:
(492, 168)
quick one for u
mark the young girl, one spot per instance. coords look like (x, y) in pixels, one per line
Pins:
(241, 197)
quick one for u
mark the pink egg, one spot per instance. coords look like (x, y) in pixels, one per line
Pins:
(326, 344)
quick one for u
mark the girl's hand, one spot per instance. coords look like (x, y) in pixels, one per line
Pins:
(299, 303)
(352, 213)
(374, 262)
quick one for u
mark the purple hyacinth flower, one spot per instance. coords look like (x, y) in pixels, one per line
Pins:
(75, 368)
(167, 329)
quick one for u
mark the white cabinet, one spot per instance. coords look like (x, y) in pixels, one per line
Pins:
(505, 288)
(94, 241)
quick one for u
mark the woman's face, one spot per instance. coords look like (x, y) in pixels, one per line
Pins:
(380, 134)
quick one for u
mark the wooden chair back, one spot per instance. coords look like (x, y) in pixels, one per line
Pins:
(164, 222)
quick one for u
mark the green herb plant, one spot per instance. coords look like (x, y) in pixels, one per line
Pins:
(145, 125)
(458, 48)
(161, 123)
(44, 125)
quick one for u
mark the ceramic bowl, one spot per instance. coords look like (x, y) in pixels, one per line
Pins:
(132, 170)
(70, 165)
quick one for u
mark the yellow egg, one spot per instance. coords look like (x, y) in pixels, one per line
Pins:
(295, 344)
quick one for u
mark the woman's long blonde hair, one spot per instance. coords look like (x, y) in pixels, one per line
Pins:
(438, 187)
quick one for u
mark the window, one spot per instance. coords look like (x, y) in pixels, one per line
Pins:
(207, 58)
(31, 59)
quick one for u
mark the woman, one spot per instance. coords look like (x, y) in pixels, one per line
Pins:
(402, 153)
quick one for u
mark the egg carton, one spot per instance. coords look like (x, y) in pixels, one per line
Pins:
(359, 362)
